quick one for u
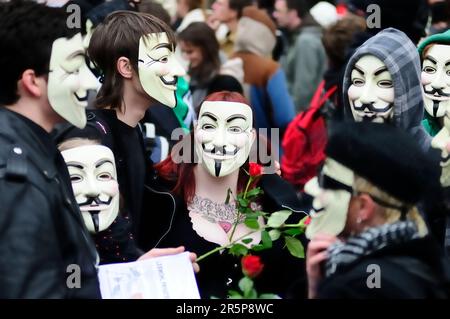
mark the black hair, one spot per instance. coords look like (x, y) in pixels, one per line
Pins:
(27, 33)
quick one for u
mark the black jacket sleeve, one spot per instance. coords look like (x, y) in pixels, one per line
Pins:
(31, 266)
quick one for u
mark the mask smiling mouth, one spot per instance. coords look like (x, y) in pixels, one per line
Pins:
(371, 107)
(220, 152)
(170, 83)
(81, 99)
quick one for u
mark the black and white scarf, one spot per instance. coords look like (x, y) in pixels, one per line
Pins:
(371, 240)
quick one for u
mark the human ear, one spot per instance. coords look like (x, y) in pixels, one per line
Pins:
(366, 208)
(32, 84)
(124, 67)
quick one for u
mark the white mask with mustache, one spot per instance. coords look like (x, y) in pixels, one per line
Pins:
(93, 175)
(224, 136)
(159, 68)
(371, 94)
(435, 78)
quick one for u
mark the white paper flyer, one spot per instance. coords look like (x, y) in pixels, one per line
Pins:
(167, 277)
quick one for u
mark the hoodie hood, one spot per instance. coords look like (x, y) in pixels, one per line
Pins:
(400, 56)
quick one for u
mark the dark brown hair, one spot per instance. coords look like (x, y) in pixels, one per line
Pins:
(118, 36)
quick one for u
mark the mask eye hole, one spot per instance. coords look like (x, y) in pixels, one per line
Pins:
(104, 177)
(429, 69)
(235, 129)
(75, 178)
(385, 84)
(208, 127)
(358, 82)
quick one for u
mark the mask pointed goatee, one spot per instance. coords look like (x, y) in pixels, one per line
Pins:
(435, 108)
(217, 167)
(95, 221)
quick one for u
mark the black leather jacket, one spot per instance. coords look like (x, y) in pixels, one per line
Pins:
(41, 229)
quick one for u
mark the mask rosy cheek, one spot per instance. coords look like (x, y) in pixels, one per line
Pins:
(112, 188)
(239, 140)
(163, 70)
(353, 92)
(426, 78)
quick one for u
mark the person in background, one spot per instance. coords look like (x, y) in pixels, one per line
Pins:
(200, 47)
(189, 11)
(265, 81)
(305, 60)
(227, 12)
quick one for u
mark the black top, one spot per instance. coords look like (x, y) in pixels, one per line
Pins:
(116, 244)
(43, 233)
(128, 150)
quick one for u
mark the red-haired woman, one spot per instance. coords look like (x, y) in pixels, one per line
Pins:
(203, 169)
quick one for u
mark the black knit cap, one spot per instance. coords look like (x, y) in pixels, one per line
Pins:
(387, 157)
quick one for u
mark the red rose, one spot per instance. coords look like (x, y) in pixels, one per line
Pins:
(251, 266)
(307, 221)
(255, 169)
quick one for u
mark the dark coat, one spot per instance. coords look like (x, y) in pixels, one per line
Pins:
(41, 228)
(416, 269)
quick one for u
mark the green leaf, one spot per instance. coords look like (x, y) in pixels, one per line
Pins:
(233, 294)
(258, 247)
(266, 240)
(247, 240)
(252, 223)
(269, 296)
(274, 234)
(294, 231)
(254, 215)
(254, 192)
(295, 247)
(278, 218)
(246, 285)
(252, 294)
(238, 250)
(243, 202)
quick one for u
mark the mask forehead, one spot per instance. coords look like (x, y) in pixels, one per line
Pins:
(371, 64)
(223, 111)
(89, 155)
(151, 42)
(338, 172)
(64, 50)
(440, 53)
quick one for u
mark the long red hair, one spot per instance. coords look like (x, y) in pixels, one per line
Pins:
(182, 174)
